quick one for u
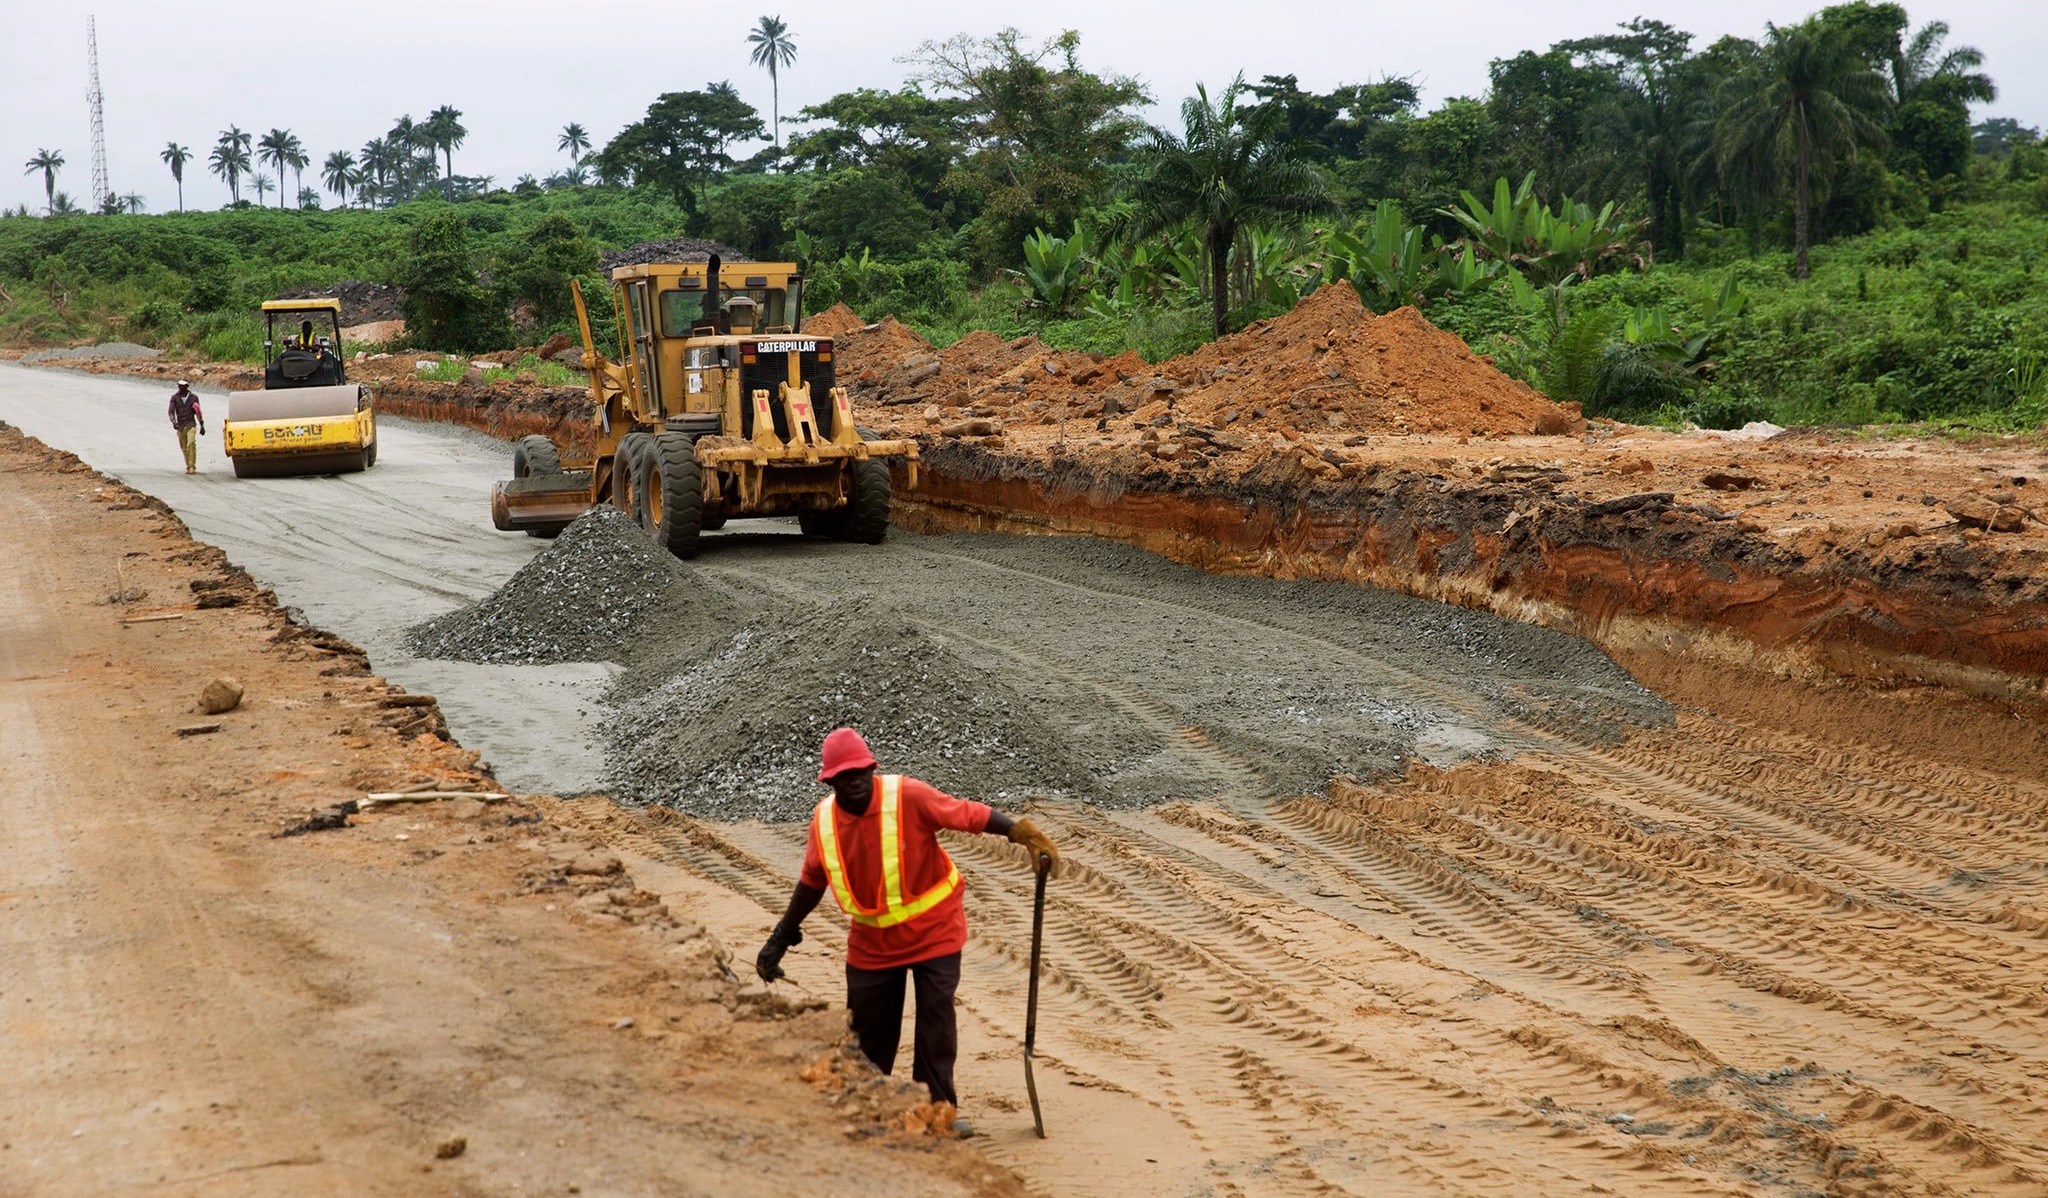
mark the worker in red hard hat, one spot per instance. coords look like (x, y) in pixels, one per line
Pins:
(874, 844)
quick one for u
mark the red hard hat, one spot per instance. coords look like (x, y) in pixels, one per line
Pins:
(844, 750)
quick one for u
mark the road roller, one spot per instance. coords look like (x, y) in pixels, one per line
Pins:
(308, 418)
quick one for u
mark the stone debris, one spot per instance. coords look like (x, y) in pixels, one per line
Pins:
(735, 735)
(577, 601)
(222, 694)
(111, 349)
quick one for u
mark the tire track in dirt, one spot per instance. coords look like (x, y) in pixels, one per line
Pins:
(1709, 958)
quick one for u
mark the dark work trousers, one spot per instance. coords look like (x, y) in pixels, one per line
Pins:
(875, 999)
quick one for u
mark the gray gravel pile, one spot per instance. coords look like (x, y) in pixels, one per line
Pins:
(111, 349)
(577, 601)
(735, 734)
(361, 302)
(670, 249)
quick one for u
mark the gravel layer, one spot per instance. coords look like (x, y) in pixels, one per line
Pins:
(1004, 668)
(577, 601)
(735, 733)
(111, 349)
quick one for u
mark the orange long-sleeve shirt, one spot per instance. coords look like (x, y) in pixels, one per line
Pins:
(924, 809)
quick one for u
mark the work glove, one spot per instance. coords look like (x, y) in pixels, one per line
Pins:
(1026, 833)
(768, 962)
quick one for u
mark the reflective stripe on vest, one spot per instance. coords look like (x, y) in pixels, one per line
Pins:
(893, 910)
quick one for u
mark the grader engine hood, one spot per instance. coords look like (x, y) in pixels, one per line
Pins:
(765, 363)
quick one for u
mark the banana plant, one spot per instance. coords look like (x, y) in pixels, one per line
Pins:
(862, 278)
(1518, 230)
(1056, 269)
(1386, 259)
(1503, 230)
(1269, 268)
(1462, 271)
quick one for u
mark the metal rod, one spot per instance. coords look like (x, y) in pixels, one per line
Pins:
(1031, 1004)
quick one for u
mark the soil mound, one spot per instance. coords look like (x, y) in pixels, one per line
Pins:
(735, 734)
(834, 321)
(670, 249)
(577, 601)
(1329, 366)
(361, 302)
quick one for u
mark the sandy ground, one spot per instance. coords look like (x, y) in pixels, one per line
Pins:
(1790, 944)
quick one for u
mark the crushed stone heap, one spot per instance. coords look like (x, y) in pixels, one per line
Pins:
(735, 734)
(576, 601)
(669, 249)
(1328, 366)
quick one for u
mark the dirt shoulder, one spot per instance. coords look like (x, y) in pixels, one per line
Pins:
(447, 997)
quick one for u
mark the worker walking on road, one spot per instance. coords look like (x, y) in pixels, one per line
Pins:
(190, 423)
(874, 843)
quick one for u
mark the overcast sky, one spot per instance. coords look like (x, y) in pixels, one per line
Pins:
(340, 74)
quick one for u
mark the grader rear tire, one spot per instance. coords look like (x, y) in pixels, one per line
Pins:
(535, 455)
(671, 487)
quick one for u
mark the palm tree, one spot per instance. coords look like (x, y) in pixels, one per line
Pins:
(47, 161)
(132, 203)
(281, 147)
(1922, 71)
(404, 140)
(338, 173)
(444, 129)
(176, 156)
(299, 160)
(262, 185)
(1812, 97)
(230, 158)
(1232, 169)
(376, 163)
(575, 140)
(774, 48)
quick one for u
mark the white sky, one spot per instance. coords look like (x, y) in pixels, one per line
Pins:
(519, 69)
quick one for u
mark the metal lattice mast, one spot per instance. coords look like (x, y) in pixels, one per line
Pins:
(100, 190)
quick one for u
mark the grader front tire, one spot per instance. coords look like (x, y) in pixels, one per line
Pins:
(673, 494)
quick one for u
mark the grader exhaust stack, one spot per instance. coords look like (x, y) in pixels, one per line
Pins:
(719, 409)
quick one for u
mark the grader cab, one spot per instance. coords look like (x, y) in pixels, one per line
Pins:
(721, 409)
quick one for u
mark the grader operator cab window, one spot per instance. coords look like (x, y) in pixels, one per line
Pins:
(681, 310)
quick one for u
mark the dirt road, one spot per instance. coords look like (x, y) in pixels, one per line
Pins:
(362, 555)
(1781, 940)
(443, 999)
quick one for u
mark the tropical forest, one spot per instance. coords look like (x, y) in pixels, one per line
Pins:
(1803, 226)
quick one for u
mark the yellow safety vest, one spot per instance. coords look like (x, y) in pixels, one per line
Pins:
(893, 909)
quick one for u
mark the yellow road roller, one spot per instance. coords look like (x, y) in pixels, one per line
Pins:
(308, 419)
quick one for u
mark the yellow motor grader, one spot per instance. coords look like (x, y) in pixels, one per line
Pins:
(723, 408)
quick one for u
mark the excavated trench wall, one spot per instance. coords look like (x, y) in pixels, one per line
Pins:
(1642, 578)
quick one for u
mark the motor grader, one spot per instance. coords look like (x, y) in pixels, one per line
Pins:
(721, 409)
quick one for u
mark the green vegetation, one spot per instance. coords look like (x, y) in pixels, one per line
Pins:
(1803, 227)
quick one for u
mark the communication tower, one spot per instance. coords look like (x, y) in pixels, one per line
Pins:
(100, 190)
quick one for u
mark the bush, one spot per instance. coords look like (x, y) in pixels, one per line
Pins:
(446, 306)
